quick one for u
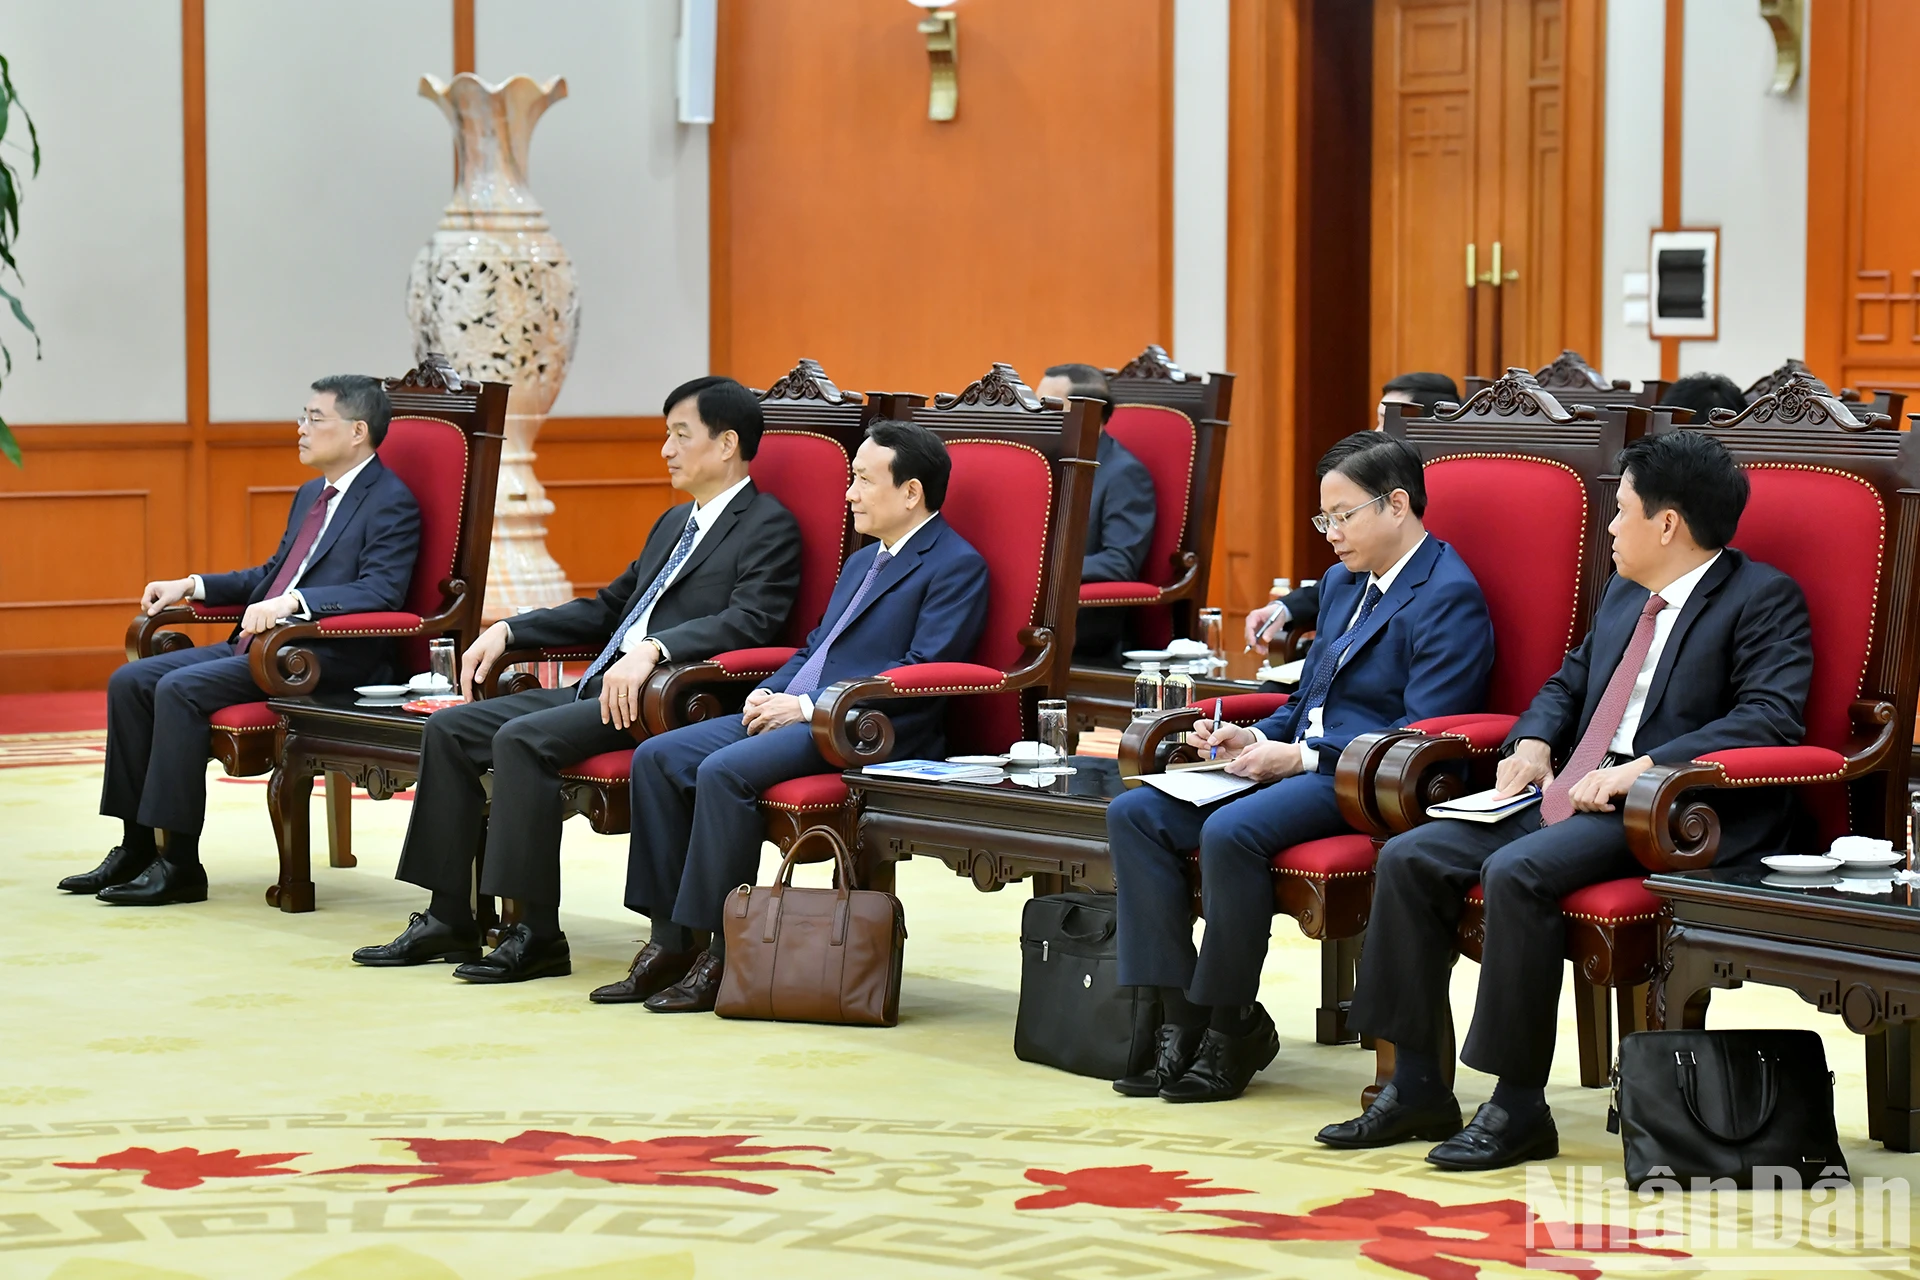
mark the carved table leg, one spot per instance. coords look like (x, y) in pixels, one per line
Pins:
(289, 797)
(1339, 961)
(1893, 1087)
(340, 821)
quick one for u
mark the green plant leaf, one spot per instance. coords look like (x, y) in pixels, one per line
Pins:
(20, 314)
(9, 446)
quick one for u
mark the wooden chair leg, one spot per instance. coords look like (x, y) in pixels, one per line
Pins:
(1893, 1087)
(1596, 1032)
(1383, 1056)
(1339, 962)
(340, 821)
(484, 913)
(1630, 1007)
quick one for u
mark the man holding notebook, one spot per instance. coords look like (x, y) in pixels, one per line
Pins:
(1403, 635)
(1694, 649)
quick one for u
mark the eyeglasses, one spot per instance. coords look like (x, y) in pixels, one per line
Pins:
(308, 418)
(1338, 519)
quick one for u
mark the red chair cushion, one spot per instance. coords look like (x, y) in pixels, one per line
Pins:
(813, 792)
(1245, 708)
(216, 612)
(1349, 855)
(1000, 499)
(430, 457)
(1122, 592)
(1625, 901)
(244, 716)
(945, 677)
(1532, 584)
(742, 662)
(1483, 732)
(1163, 440)
(808, 473)
(612, 767)
(1764, 765)
(371, 624)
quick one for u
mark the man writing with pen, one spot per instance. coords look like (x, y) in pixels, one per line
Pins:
(1403, 636)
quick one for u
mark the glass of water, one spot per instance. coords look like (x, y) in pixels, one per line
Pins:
(1213, 634)
(1053, 727)
(440, 661)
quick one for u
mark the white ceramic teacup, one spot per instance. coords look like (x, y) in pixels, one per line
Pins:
(427, 682)
(1845, 847)
(1031, 752)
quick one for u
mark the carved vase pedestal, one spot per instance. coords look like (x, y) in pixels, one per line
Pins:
(494, 290)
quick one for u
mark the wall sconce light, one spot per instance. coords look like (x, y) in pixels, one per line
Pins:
(942, 30)
(1786, 18)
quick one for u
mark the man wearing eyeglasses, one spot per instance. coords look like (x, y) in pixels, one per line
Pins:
(1403, 635)
(349, 547)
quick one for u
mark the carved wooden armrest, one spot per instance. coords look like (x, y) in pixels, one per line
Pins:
(1295, 639)
(503, 681)
(147, 636)
(1356, 779)
(850, 735)
(1149, 746)
(1385, 782)
(688, 692)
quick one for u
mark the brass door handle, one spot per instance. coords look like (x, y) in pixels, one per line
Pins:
(1497, 277)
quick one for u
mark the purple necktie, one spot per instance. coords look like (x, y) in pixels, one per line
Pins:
(1612, 709)
(296, 555)
(808, 677)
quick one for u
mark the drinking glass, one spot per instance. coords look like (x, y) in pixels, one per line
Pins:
(1213, 634)
(441, 661)
(1053, 726)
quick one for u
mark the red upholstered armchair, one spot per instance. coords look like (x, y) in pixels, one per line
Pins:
(444, 443)
(1833, 505)
(1176, 425)
(813, 429)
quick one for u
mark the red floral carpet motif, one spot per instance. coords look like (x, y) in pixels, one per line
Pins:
(665, 1162)
(1127, 1186)
(185, 1167)
(1396, 1231)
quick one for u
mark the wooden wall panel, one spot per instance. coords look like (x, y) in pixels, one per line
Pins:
(1863, 240)
(906, 254)
(608, 484)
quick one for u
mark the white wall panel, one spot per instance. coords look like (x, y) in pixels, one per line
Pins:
(1745, 167)
(1636, 38)
(325, 174)
(1200, 184)
(624, 185)
(102, 229)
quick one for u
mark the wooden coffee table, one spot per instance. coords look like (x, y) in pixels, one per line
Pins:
(1852, 954)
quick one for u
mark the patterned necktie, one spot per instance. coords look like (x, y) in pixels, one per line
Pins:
(1330, 662)
(303, 541)
(1612, 709)
(807, 679)
(681, 551)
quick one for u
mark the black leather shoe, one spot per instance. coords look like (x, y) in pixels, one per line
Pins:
(694, 993)
(1178, 1045)
(520, 957)
(1225, 1065)
(653, 971)
(1492, 1141)
(161, 884)
(1390, 1120)
(423, 941)
(118, 867)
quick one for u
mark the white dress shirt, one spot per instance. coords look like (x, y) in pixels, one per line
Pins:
(1675, 594)
(340, 488)
(1316, 718)
(705, 516)
(806, 701)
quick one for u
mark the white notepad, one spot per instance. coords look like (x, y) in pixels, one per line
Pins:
(1198, 786)
(1485, 806)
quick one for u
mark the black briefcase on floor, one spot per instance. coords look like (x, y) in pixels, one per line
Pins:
(1725, 1104)
(1073, 1015)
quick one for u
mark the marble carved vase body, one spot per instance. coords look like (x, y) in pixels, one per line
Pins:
(493, 289)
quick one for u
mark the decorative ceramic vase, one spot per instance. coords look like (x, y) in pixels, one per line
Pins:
(493, 289)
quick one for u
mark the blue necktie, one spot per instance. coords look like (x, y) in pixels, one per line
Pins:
(807, 679)
(1330, 662)
(681, 551)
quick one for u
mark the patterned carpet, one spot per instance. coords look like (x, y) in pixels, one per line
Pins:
(216, 1091)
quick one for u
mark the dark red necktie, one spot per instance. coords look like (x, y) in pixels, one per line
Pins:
(296, 555)
(1554, 804)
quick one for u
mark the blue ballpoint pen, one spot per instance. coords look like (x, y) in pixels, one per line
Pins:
(1213, 753)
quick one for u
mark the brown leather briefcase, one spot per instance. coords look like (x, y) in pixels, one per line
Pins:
(813, 955)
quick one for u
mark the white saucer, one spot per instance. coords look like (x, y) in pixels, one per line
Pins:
(428, 684)
(381, 690)
(1147, 655)
(1864, 861)
(1801, 864)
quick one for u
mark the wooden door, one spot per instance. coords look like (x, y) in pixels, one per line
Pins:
(1486, 129)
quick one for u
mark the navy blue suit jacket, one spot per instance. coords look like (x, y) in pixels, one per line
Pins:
(363, 563)
(1734, 673)
(927, 605)
(1425, 650)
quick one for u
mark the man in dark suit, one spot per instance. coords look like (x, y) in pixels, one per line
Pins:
(918, 593)
(717, 573)
(1404, 635)
(1694, 648)
(1424, 389)
(1119, 518)
(349, 547)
